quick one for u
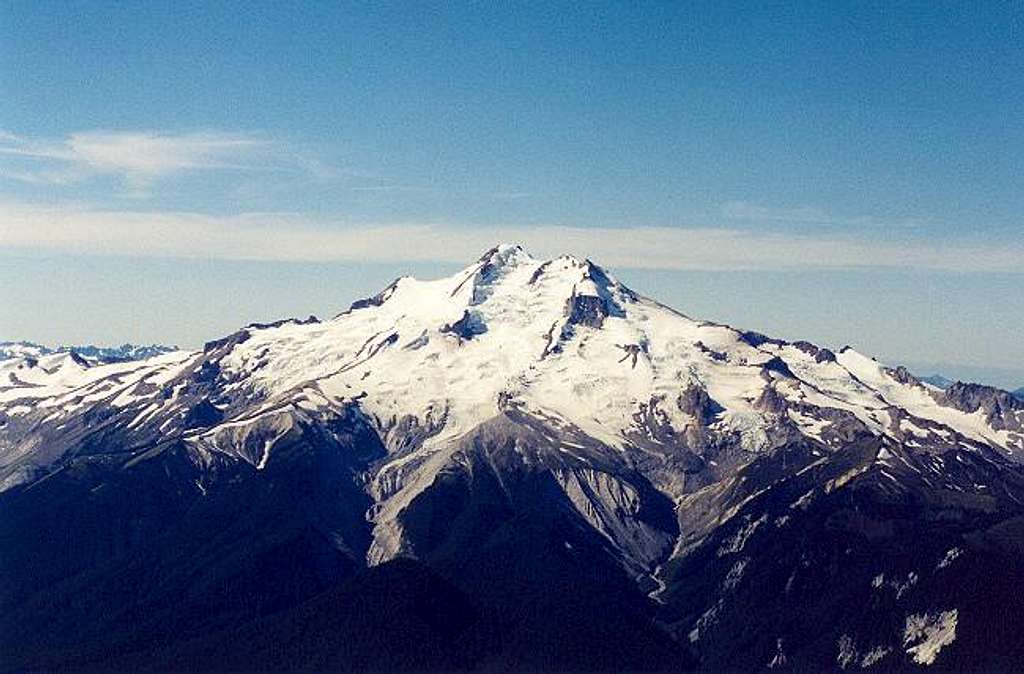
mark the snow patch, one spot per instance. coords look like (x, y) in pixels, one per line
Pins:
(926, 634)
(951, 555)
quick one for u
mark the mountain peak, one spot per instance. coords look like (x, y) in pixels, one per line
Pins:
(503, 256)
(504, 251)
(506, 256)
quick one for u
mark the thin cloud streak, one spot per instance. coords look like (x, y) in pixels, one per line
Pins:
(140, 158)
(291, 237)
(744, 211)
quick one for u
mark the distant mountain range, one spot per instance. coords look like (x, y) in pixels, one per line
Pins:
(945, 382)
(526, 466)
(90, 352)
(937, 380)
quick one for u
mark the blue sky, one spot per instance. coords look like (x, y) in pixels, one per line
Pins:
(844, 173)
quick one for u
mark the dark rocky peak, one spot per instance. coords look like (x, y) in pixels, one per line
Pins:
(605, 282)
(589, 310)
(284, 321)
(500, 256)
(494, 263)
(778, 366)
(771, 401)
(1002, 409)
(720, 356)
(207, 372)
(695, 401)
(77, 359)
(539, 273)
(969, 397)
(825, 356)
(902, 375)
(756, 339)
(590, 279)
(584, 307)
(227, 343)
(599, 276)
(377, 300)
(489, 268)
(69, 357)
(819, 354)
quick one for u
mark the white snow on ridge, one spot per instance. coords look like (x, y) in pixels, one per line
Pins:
(53, 376)
(918, 401)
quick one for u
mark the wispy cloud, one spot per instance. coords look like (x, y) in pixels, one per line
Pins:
(140, 158)
(744, 211)
(283, 236)
(391, 188)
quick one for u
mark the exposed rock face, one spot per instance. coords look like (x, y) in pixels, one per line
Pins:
(820, 355)
(276, 324)
(203, 415)
(756, 339)
(78, 359)
(593, 298)
(696, 402)
(778, 366)
(1002, 409)
(467, 327)
(492, 265)
(233, 339)
(971, 397)
(588, 310)
(376, 300)
(720, 356)
(903, 376)
(632, 353)
(772, 401)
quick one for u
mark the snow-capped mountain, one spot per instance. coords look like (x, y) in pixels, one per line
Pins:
(571, 458)
(89, 352)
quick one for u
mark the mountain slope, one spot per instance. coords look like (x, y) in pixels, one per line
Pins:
(547, 440)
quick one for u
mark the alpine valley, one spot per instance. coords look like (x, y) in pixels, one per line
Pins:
(526, 466)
